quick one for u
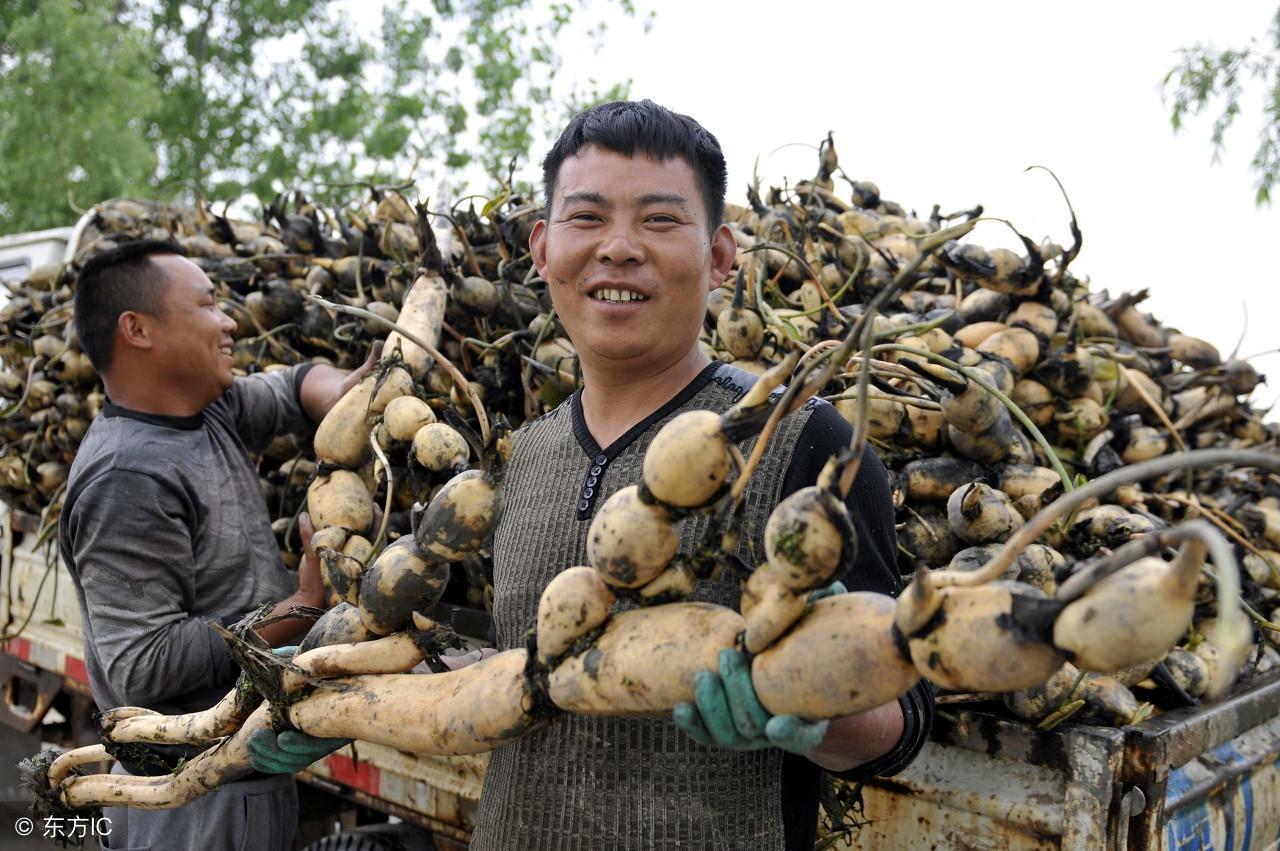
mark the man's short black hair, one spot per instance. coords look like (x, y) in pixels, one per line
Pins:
(119, 279)
(626, 127)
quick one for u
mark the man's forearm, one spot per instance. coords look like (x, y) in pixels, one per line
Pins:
(324, 385)
(147, 666)
(321, 388)
(854, 739)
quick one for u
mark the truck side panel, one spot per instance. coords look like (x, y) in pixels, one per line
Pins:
(1202, 779)
(1228, 798)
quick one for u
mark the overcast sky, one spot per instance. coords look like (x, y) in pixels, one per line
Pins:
(948, 102)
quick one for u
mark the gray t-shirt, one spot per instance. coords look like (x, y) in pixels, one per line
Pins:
(164, 529)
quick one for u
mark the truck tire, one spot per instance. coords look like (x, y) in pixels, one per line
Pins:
(376, 837)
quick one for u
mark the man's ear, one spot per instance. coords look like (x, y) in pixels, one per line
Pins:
(724, 248)
(135, 329)
(538, 248)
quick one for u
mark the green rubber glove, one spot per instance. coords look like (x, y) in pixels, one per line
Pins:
(831, 590)
(289, 751)
(727, 713)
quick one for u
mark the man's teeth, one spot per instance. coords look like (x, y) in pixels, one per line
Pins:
(608, 294)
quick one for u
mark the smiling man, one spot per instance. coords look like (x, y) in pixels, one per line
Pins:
(632, 243)
(164, 528)
(629, 251)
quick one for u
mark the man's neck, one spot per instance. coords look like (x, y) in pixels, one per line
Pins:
(614, 401)
(150, 399)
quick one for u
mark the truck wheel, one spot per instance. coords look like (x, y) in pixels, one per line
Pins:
(376, 837)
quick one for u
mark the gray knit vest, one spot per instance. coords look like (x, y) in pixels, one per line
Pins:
(596, 783)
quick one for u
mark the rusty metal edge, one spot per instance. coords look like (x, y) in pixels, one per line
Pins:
(390, 808)
(1156, 747)
(23, 521)
(46, 683)
(1011, 738)
(1173, 739)
(1222, 778)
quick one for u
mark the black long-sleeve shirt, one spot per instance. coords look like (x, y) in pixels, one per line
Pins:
(871, 508)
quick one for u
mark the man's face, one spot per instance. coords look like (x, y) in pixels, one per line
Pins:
(192, 336)
(628, 257)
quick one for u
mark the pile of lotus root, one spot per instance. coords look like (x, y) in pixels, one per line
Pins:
(1088, 505)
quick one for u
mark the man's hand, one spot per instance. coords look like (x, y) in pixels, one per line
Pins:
(831, 590)
(324, 385)
(311, 592)
(726, 712)
(289, 751)
(311, 589)
(353, 377)
(466, 660)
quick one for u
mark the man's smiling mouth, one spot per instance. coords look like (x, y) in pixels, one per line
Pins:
(617, 296)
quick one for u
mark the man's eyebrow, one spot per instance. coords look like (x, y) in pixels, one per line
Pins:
(663, 198)
(587, 198)
(647, 200)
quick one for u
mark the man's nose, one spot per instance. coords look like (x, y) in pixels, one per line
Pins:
(619, 246)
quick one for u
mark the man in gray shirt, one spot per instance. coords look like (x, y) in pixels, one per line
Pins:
(164, 528)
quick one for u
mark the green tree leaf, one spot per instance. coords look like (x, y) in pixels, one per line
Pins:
(1205, 76)
(76, 96)
(223, 98)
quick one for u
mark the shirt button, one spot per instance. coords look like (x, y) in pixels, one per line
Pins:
(591, 481)
(595, 471)
(587, 492)
(602, 460)
(584, 505)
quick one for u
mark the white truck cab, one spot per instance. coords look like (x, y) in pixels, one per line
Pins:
(22, 252)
